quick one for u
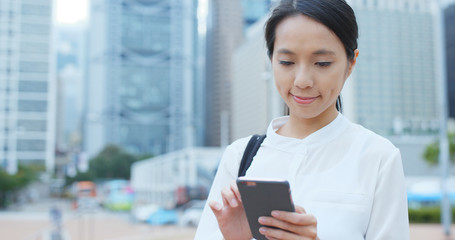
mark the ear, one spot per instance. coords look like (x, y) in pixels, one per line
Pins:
(352, 62)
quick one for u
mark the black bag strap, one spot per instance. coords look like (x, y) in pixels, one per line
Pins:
(250, 151)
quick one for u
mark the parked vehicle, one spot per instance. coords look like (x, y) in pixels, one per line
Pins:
(163, 216)
(192, 214)
(84, 194)
(142, 213)
(117, 195)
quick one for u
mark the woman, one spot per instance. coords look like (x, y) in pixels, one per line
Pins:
(346, 181)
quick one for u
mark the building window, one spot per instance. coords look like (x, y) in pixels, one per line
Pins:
(32, 9)
(33, 66)
(32, 106)
(31, 145)
(33, 47)
(32, 125)
(32, 86)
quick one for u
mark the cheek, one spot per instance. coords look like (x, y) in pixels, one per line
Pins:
(334, 81)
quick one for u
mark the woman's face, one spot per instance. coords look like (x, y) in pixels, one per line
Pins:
(310, 66)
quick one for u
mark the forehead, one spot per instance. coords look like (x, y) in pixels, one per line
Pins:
(300, 32)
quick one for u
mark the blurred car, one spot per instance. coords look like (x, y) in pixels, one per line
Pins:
(142, 213)
(163, 216)
(192, 214)
(117, 195)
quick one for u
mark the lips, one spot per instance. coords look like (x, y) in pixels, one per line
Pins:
(304, 100)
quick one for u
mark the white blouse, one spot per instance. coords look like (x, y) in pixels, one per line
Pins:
(348, 177)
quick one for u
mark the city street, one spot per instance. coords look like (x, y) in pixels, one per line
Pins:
(33, 222)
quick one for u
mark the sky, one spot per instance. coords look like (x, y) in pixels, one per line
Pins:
(71, 11)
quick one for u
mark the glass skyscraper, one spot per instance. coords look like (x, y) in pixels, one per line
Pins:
(27, 84)
(141, 75)
(224, 35)
(395, 82)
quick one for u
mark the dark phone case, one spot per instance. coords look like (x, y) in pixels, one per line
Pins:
(261, 198)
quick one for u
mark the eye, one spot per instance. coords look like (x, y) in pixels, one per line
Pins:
(323, 64)
(287, 63)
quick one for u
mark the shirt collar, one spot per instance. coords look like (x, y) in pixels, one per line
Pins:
(321, 136)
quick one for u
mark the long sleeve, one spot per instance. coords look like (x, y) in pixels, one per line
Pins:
(227, 172)
(389, 214)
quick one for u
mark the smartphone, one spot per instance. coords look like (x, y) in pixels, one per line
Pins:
(260, 197)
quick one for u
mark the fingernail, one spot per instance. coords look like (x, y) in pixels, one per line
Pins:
(217, 206)
(262, 220)
(234, 203)
(275, 213)
(262, 230)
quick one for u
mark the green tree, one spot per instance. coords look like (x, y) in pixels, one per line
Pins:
(431, 154)
(11, 183)
(112, 162)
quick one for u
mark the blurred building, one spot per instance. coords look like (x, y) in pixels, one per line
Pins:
(255, 100)
(450, 54)
(157, 180)
(71, 65)
(253, 10)
(393, 84)
(141, 72)
(224, 34)
(27, 84)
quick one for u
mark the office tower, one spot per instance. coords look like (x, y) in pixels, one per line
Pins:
(224, 34)
(253, 10)
(255, 100)
(141, 74)
(450, 56)
(27, 84)
(394, 82)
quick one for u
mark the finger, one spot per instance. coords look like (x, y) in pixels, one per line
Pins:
(216, 208)
(229, 197)
(272, 238)
(271, 233)
(308, 230)
(306, 226)
(302, 219)
(235, 190)
(299, 209)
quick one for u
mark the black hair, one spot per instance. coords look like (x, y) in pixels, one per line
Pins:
(337, 15)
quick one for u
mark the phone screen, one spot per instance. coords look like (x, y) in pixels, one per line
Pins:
(260, 197)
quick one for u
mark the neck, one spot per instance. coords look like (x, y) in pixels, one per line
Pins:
(298, 127)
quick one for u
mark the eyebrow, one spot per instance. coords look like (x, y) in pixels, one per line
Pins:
(285, 51)
(318, 52)
(324, 52)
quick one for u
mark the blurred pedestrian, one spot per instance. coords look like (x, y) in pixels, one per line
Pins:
(56, 219)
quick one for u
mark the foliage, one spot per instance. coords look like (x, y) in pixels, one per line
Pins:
(112, 162)
(431, 154)
(11, 183)
(427, 215)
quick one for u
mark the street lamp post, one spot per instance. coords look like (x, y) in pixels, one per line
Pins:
(442, 102)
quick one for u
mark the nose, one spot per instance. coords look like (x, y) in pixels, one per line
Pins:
(303, 78)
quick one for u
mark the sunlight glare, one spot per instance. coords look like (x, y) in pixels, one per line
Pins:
(71, 11)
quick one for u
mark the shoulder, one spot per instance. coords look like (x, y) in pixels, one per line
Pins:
(371, 141)
(233, 153)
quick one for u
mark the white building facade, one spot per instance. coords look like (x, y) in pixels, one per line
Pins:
(156, 180)
(27, 84)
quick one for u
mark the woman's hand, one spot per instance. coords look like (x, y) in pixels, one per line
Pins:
(291, 225)
(231, 217)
